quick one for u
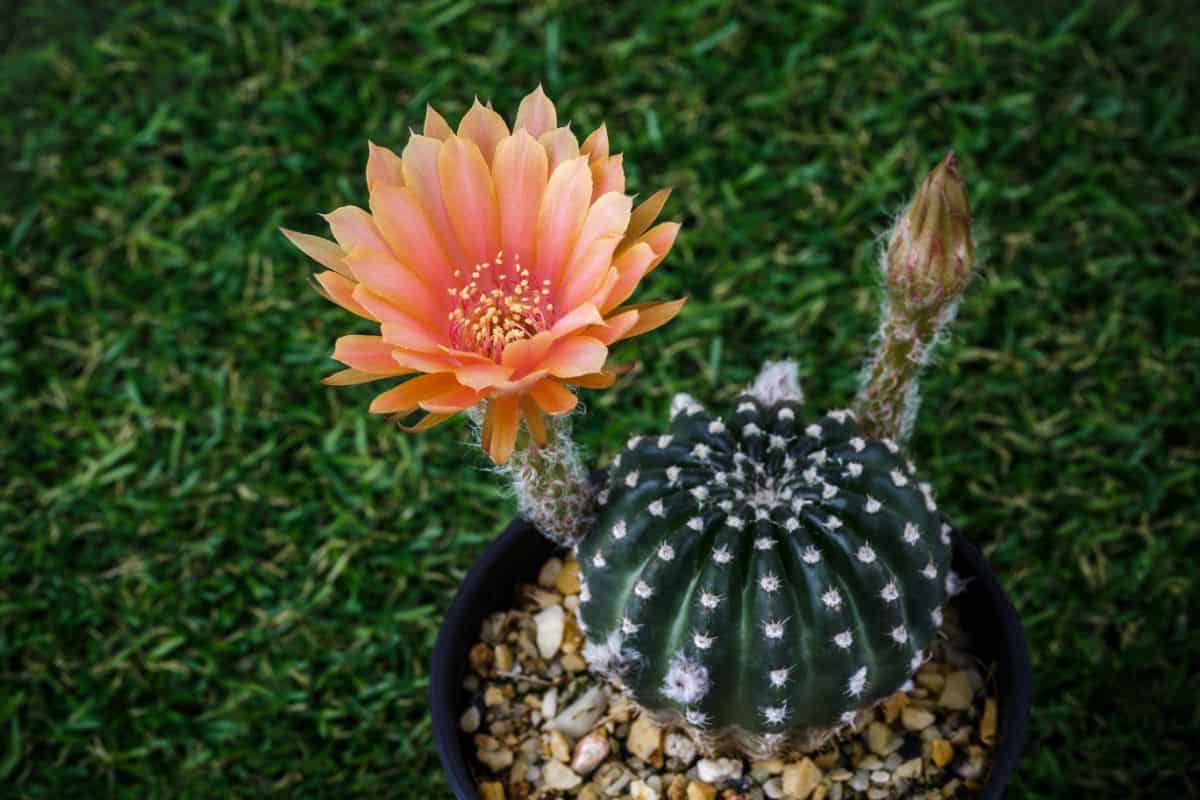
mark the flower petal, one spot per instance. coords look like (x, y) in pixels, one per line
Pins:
(435, 124)
(577, 355)
(608, 175)
(352, 377)
(579, 318)
(519, 172)
(644, 215)
(383, 310)
(403, 223)
(505, 424)
(561, 215)
(458, 399)
(388, 278)
(536, 113)
(323, 251)
(353, 227)
(410, 336)
(592, 252)
(470, 199)
(430, 362)
(553, 398)
(616, 327)
(383, 167)
(596, 380)
(484, 127)
(525, 355)
(632, 265)
(408, 396)
(650, 316)
(421, 176)
(561, 145)
(338, 289)
(595, 146)
(662, 238)
(482, 376)
(534, 421)
(428, 421)
(366, 353)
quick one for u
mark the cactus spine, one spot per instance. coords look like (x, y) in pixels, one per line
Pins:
(764, 577)
(552, 485)
(926, 267)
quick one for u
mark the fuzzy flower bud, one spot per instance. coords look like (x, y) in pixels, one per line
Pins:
(926, 269)
(930, 253)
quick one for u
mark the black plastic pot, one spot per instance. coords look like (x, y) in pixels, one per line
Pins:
(987, 615)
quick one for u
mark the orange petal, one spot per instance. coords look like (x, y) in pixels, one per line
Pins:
(608, 176)
(484, 127)
(388, 278)
(561, 145)
(650, 316)
(595, 146)
(427, 422)
(527, 354)
(644, 215)
(351, 377)
(470, 199)
(353, 227)
(453, 401)
(616, 327)
(561, 215)
(338, 289)
(536, 113)
(485, 431)
(592, 252)
(435, 124)
(383, 167)
(482, 376)
(368, 354)
(662, 238)
(579, 318)
(403, 223)
(597, 380)
(408, 396)
(599, 297)
(632, 265)
(553, 398)
(421, 176)
(323, 251)
(577, 355)
(409, 336)
(383, 310)
(534, 421)
(431, 362)
(505, 424)
(519, 170)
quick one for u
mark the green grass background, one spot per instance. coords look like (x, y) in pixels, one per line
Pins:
(219, 578)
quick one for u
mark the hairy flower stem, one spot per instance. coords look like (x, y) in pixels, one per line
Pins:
(926, 268)
(551, 484)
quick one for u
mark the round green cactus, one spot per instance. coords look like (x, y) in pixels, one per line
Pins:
(764, 577)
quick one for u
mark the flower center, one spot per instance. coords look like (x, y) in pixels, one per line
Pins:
(499, 304)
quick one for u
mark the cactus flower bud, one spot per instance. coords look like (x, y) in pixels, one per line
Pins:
(926, 268)
(930, 252)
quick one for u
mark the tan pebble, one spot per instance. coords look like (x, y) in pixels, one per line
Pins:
(827, 759)
(573, 663)
(558, 747)
(490, 790)
(820, 792)
(550, 624)
(590, 752)
(548, 575)
(677, 788)
(559, 776)
(841, 775)
(909, 769)
(799, 780)
(770, 766)
(588, 792)
(933, 681)
(941, 752)
(503, 657)
(878, 793)
(645, 740)
(640, 790)
(495, 760)
(519, 772)
(956, 694)
(879, 738)
(493, 696)
(880, 776)
(893, 706)
(698, 790)
(568, 578)
(481, 658)
(987, 726)
(916, 719)
(469, 721)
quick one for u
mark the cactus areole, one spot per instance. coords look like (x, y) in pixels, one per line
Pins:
(764, 577)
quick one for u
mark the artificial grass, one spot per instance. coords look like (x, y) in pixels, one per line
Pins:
(219, 578)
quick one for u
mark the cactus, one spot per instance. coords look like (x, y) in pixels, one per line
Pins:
(926, 268)
(551, 485)
(762, 578)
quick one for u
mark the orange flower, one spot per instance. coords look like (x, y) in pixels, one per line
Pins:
(496, 263)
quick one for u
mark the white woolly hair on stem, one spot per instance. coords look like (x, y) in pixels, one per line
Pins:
(777, 381)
